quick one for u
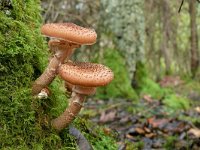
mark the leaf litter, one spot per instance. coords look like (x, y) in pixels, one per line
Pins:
(146, 122)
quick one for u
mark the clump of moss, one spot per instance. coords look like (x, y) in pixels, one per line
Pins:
(145, 85)
(176, 102)
(120, 86)
(22, 58)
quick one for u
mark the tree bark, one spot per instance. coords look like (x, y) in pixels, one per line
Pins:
(194, 61)
(166, 36)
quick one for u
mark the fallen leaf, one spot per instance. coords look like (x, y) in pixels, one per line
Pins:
(147, 129)
(176, 127)
(140, 130)
(106, 117)
(107, 131)
(170, 81)
(197, 109)
(124, 119)
(157, 123)
(128, 136)
(195, 132)
(148, 98)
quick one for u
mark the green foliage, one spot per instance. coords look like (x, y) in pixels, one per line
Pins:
(57, 102)
(21, 58)
(135, 145)
(193, 119)
(145, 85)
(171, 140)
(151, 88)
(104, 142)
(176, 102)
(120, 86)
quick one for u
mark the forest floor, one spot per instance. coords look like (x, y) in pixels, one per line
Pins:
(149, 124)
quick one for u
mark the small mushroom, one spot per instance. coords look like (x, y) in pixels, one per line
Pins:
(45, 92)
(68, 37)
(84, 77)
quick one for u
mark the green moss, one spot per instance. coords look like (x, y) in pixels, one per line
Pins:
(176, 102)
(170, 143)
(150, 87)
(135, 145)
(120, 86)
(145, 85)
(22, 58)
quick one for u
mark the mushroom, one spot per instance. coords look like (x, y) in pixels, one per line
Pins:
(68, 37)
(45, 92)
(84, 77)
(70, 32)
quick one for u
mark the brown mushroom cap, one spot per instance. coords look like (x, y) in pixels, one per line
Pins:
(70, 32)
(86, 74)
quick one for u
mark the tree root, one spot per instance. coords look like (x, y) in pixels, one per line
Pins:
(81, 141)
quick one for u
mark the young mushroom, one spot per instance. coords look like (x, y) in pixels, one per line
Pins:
(68, 37)
(84, 77)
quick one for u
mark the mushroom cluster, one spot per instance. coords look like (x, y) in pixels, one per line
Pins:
(81, 78)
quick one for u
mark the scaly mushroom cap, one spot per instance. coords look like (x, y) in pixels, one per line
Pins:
(86, 74)
(70, 32)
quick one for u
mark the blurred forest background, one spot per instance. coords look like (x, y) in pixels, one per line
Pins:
(148, 37)
(151, 46)
(151, 31)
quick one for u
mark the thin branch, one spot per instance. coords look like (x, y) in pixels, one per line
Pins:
(81, 141)
(181, 6)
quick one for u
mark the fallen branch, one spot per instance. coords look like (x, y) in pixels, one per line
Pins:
(81, 141)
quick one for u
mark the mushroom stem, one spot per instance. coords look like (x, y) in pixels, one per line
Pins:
(75, 105)
(62, 51)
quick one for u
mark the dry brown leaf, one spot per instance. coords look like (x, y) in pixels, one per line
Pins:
(148, 98)
(157, 123)
(195, 132)
(147, 129)
(107, 131)
(170, 81)
(129, 136)
(106, 117)
(197, 109)
(150, 135)
(140, 130)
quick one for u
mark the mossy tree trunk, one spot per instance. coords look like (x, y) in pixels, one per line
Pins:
(194, 60)
(25, 121)
(122, 29)
(22, 58)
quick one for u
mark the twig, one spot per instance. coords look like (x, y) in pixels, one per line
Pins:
(81, 141)
(181, 6)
